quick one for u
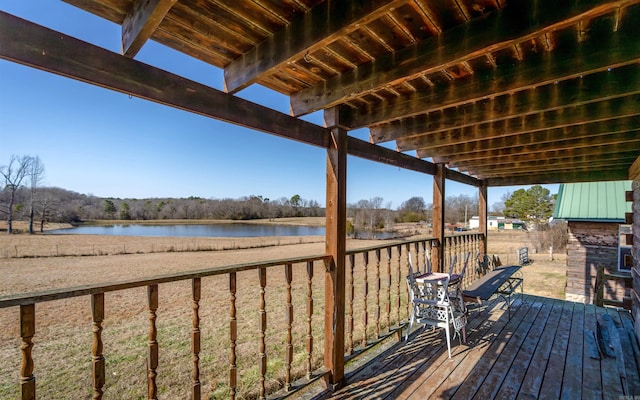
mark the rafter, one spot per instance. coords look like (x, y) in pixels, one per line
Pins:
(549, 154)
(142, 20)
(578, 175)
(29, 44)
(603, 86)
(317, 28)
(603, 161)
(600, 116)
(559, 138)
(517, 22)
(611, 50)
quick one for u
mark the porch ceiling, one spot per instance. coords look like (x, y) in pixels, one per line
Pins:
(514, 92)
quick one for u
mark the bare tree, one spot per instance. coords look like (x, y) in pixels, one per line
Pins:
(14, 175)
(36, 176)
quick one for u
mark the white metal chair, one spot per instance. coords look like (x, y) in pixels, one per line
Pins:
(430, 305)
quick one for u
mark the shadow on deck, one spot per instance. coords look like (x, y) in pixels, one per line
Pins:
(548, 349)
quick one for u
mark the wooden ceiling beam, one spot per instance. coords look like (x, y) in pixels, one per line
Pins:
(597, 115)
(597, 134)
(605, 50)
(142, 20)
(517, 22)
(29, 44)
(603, 86)
(525, 154)
(581, 175)
(35, 46)
(524, 170)
(568, 163)
(316, 29)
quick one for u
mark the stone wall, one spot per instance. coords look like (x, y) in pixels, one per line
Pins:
(591, 244)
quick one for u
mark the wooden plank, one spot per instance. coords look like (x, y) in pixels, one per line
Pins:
(572, 379)
(143, 19)
(621, 160)
(512, 382)
(532, 381)
(634, 170)
(588, 90)
(591, 370)
(615, 116)
(554, 151)
(560, 177)
(608, 364)
(311, 32)
(474, 39)
(553, 375)
(627, 367)
(506, 339)
(430, 377)
(610, 50)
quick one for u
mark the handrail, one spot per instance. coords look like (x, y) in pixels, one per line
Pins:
(84, 290)
(375, 294)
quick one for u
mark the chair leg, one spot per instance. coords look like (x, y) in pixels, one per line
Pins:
(411, 319)
(446, 330)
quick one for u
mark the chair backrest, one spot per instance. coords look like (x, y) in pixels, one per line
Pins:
(464, 267)
(427, 259)
(453, 264)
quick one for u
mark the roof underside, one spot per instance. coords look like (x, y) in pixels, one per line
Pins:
(593, 201)
(511, 92)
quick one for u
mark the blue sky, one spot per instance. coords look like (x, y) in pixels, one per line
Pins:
(95, 141)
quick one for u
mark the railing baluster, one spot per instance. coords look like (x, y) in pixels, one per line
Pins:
(233, 336)
(388, 310)
(351, 295)
(196, 286)
(262, 274)
(27, 330)
(398, 302)
(365, 314)
(152, 361)
(377, 293)
(309, 318)
(406, 287)
(288, 272)
(98, 361)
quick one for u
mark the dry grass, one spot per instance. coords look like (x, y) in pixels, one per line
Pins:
(63, 339)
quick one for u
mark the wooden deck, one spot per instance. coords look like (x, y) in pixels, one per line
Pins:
(548, 349)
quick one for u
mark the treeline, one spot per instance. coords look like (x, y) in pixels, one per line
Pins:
(60, 205)
(53, 204)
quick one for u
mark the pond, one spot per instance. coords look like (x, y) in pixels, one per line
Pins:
(188, 230)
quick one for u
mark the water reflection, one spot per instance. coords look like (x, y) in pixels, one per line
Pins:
(204, 230)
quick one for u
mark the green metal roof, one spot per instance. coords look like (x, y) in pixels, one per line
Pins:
(593, 201)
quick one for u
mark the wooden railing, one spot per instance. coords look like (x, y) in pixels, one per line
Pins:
(375, 299)
(610, 286)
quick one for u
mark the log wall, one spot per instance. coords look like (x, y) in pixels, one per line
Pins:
(635, 271)
(591, 244)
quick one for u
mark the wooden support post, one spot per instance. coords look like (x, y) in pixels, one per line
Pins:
(482, 205)
(335, 246)
(27, 330)
(438, 218)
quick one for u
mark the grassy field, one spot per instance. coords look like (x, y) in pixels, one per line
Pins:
(63, 338)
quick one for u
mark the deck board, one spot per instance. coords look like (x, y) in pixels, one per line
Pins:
(546, 349)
